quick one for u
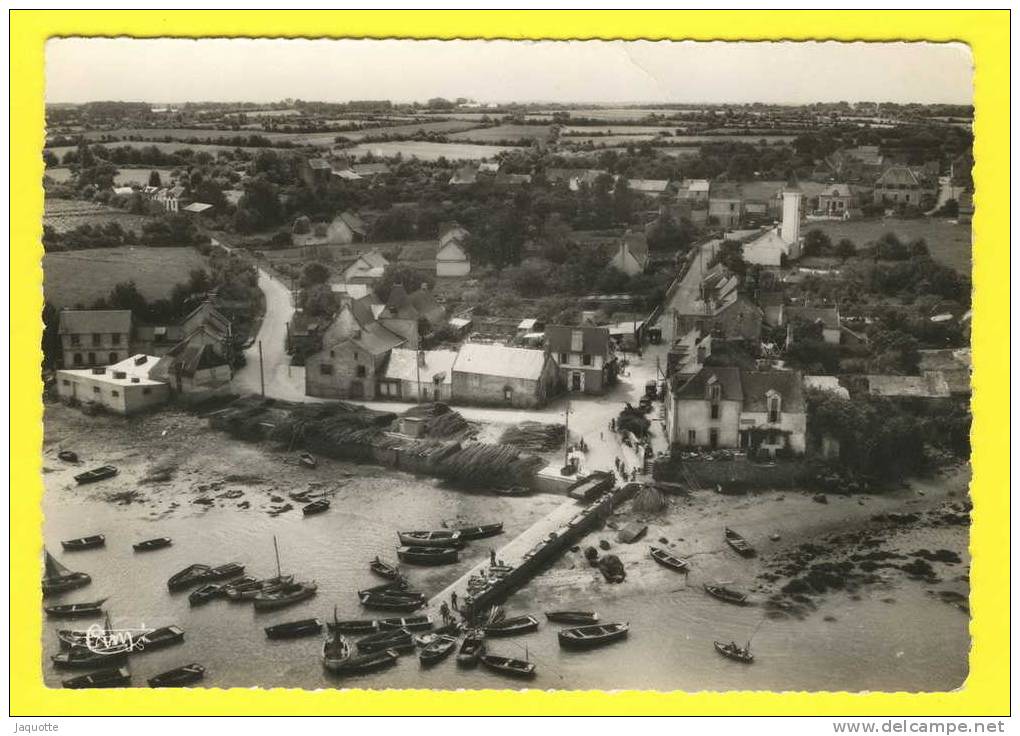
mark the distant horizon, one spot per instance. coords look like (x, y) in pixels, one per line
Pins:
(620, 104)
(264, 71)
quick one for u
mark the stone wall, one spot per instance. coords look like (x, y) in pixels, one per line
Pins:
(734, 475)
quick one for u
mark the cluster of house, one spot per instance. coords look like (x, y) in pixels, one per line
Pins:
(486, 172)
(321, 171)
(110, 359)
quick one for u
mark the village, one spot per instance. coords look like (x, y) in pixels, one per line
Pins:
(663, 322)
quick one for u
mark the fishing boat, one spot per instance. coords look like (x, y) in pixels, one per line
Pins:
(411, 623)
(224, 572)
(112, 677)
(294, 629)
(308, 460)
(76, 545)
(316, 507)
(384, 569)
(354, 626)
(512, 626)
(336, 649)
(96, 474)
(370, 662)
(572, 617)
(471, 648)
(450, 629)
(589, 637)
(740, 545)
(201, 596)
(239, 590)
(159, 638)
(384, 602)
(68, 456)
(76, 610)
(508, 665)
(57, 578)
(734, 651)
(394, 587)
(83, 658)
(397, 640)
(152, 544)
(668, 560)
(438, 538)
(191, 575)
(726, 594)
(287, 595)
(179, 676)
(438, 650)
(480, 532)
(427, 555)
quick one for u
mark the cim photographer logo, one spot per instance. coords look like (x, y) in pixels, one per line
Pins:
(113, 641)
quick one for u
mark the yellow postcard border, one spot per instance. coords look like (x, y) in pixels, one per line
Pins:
(986, 691)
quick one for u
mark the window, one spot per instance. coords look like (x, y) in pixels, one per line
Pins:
(773, 403)
(576, 341)
(95, 389)
(508, 393)
(692, 437)
(92, 358)
(586, 359)
(65, 382)
(326, 369)
(332, 353)
(75, 339)
(115, 393)
(146, 391)
(116, 338)
(113, 357)
(715, 393)
(77, 359)
(97, 339)
(713, 438)
(715, 411)
(564, 358)
(361, 371)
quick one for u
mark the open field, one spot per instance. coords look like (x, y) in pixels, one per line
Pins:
(505, 133)
(427, 151)
(444, 126)
(124, 176)
(82, 276)
(164, 146)
(948, 242)
(625, 135)
(66, 214)
(617, 113)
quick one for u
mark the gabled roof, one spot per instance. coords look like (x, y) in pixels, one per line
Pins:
(500, 361)
(836, 190)
(828, 316)
(465, 175)
(319, 163)
(352, 221)
(649, 186)
(370, 169)
(376, 339)
(404, 365)
(757, 385)
(102, 321)
(637, 244)
(595, 340)
(452, 232)
(696, 388)
(897, 176)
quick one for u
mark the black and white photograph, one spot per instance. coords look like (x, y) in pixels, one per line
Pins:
(473, 365)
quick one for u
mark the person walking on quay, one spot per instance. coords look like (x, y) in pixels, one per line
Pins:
(453, 601)
(444, 611)
(492, 557)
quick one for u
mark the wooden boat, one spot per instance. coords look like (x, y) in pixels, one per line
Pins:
(354, 626)
(57, 578)
(152, 544)
(75, 545)
(159, 638)
(384, 569)
(384, 602)
(245, 591)
(508, 665)
(512, 626)
(201, 596)
(76, 610)
(224, 572)
(513, 491)
(597, 635)
(316, 507)
(733, 651)
(572, 617)
(450, 629)
(471, 648)
(294, 629)
(397, 640)
(112, 677)
(179, 676)
(740, 545)
(726, 594)
(411, 623)
(370, 662)
(480, 532)
(81, 657)
(68, 456)
(427, 555)
(438, 650)
(394, 587)
(668, 560)
(96, 474)
(287, 595)
(191, 575)
(308, 460)
(438, 538)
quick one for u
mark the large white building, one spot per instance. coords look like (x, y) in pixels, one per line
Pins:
(123, 388)
(780, 243)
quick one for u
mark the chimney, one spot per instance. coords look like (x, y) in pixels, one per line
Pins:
(790, 231)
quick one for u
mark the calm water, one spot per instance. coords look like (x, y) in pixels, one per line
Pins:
(912, 644)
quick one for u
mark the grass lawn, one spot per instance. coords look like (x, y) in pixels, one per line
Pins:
(505, 133)
(82, 276)
(948, 242)
(428, 151)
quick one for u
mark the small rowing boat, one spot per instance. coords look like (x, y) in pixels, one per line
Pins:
(437, 650)
(385, 602)
(68, 456)
(508, 665)
(363, 663)
(316, 507)
(201, 596)
(76, 545)
(397, 639)
(81, 657)
(294, 629)
(152, 544)
(480, 532)
(76, 610)
(179, 676)
(512, 626)
(589, 637)
(438, 538)
(191, 575)
(96, 474)
(726, 594)
(394, 587)
(572, 617)
(224, 572)
(427, 555)
(734, 651)
(112, 677)
(411, 623)
(384, 569)
(668, 560)
(287, 595)
(246, 590)
(740, 545)
(471, 649)
(159, 638)
(308, 460)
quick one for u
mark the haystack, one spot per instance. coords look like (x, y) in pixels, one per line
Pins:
(649, 500)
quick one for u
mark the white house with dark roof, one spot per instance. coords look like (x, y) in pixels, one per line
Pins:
(367, 268)
(452, 258)
(418, 375)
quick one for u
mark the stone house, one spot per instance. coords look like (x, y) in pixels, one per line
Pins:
(418, 375)
(631, 256)
(584, 356)
(496, 374)
(349, 368)
(837, 200)
(899, 185)
(95, 337)
(197, 366)
(452, 257)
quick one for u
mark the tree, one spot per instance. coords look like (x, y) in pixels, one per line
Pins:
(623, 201)
(845, 248)
(816, 243)
(154, 179)
(314, 274)
(259, 206)
(411, 279)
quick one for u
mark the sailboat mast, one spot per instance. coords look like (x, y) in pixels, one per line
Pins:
(276, 549)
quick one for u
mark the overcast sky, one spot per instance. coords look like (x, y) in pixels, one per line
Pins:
(268, 70)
